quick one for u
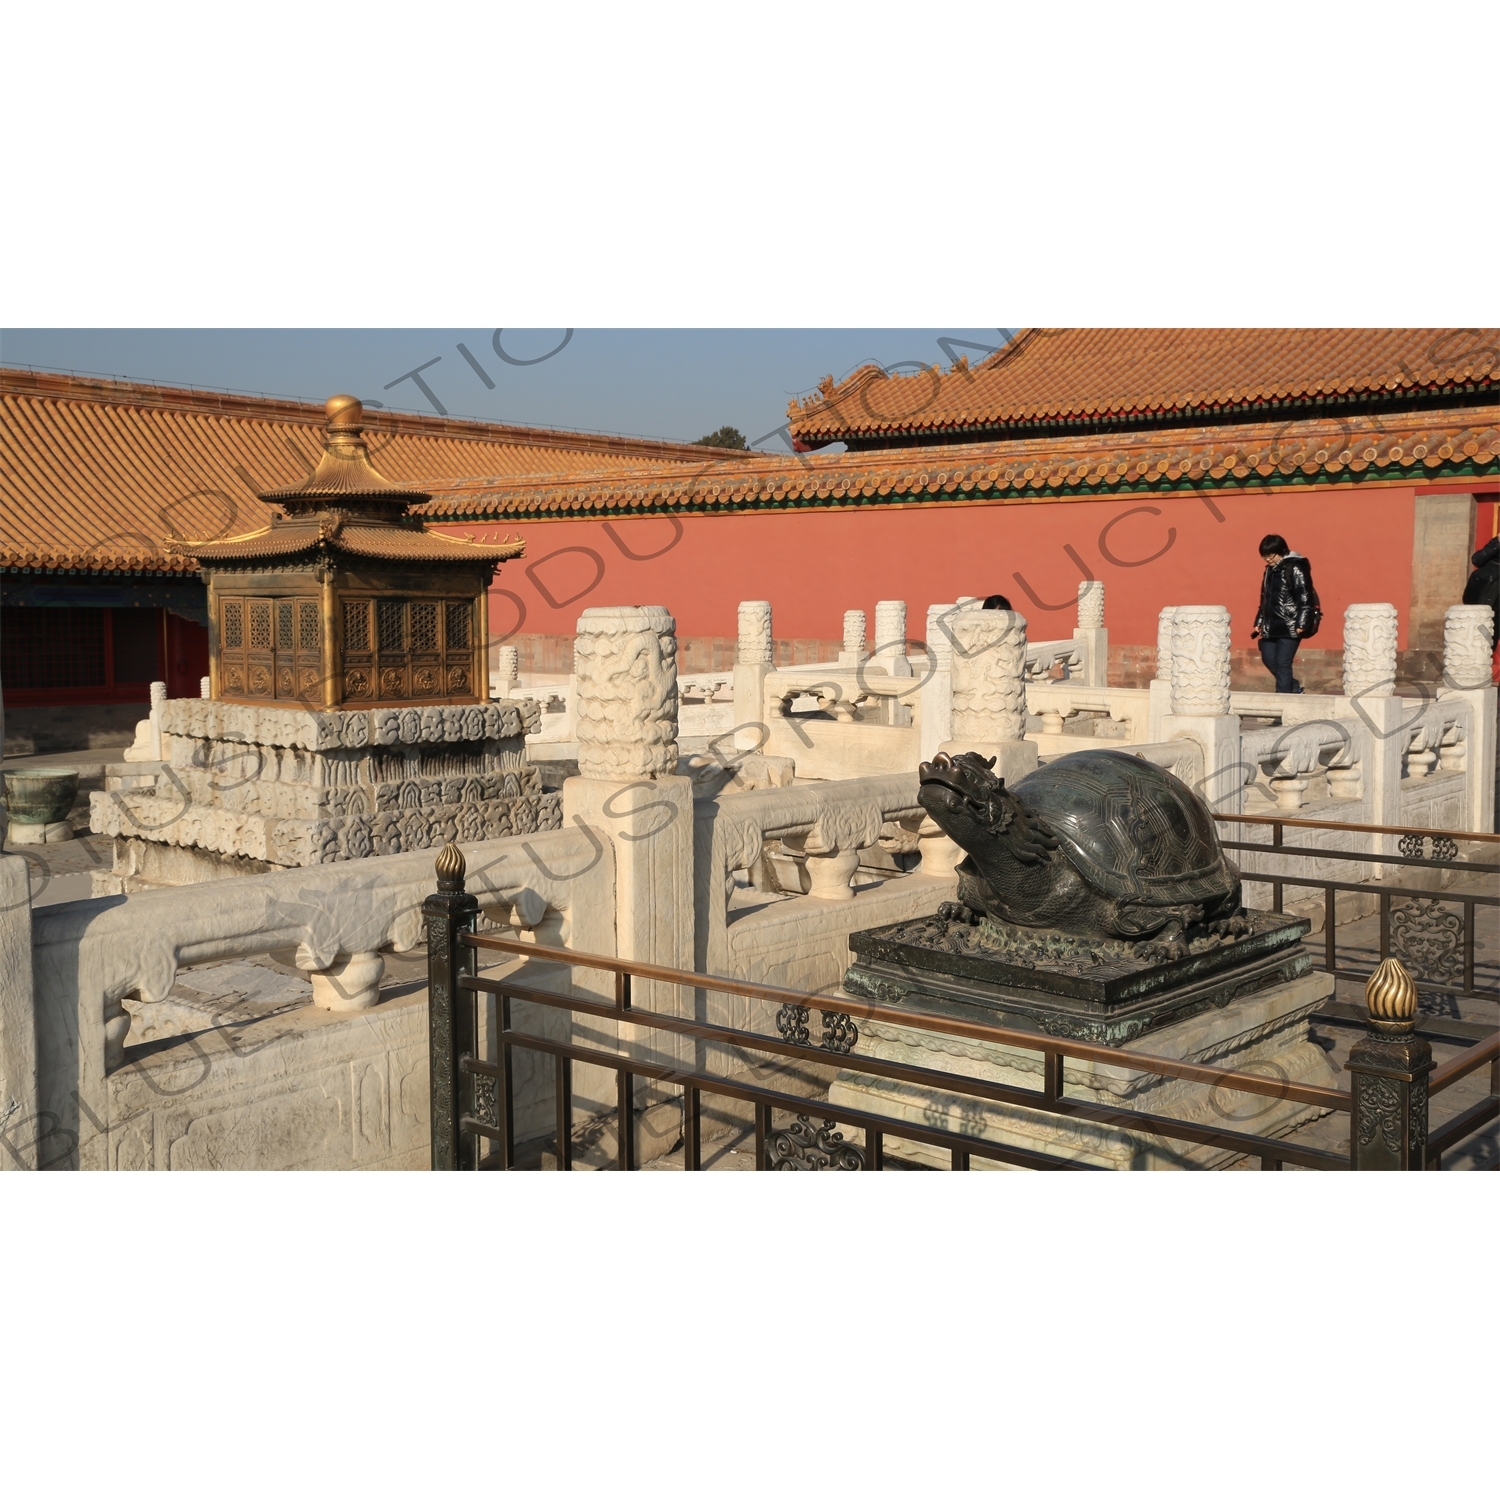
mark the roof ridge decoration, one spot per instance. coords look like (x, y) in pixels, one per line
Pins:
(1067, 378)
(1418, 447)
(198, 401)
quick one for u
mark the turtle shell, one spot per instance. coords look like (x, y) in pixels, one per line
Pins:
(1131, 829)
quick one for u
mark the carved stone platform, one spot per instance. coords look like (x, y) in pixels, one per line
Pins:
(1096, 991)
(1266, 1033)
(292, 787)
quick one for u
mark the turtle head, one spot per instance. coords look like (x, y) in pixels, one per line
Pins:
(972, 805)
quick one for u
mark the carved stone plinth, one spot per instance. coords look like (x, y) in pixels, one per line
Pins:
(289, 788)
(1266, 1034)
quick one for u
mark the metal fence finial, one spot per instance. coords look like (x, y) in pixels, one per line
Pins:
(1391, 999)
(450, 868)
(1388, 1071)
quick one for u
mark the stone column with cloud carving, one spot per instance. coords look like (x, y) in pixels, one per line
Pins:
(1375, 714)
(1090, 632)
(625, 660)
(628, 793)
(854, 638)
(989, 689)
(1370, 651)
(1160, 703)
(507, 671)
(752, 661)
(1200, 707)
(1468, 641)
(935, 696)
(890, 637)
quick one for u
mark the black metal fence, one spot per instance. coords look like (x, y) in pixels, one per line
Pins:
(473, 1098)
(1431, 931)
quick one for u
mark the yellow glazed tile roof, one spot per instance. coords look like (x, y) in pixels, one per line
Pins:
(96, 474)
(1061, 377)
(1412, 448)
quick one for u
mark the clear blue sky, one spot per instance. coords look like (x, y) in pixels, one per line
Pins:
(666, 383)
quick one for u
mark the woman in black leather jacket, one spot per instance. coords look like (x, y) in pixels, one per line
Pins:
(1289, 610)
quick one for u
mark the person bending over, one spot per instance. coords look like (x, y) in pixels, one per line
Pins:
(1289, 611)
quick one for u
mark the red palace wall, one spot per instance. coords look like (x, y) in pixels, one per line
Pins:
(1150, 551)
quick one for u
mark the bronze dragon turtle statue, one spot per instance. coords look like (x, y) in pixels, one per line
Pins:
(1095, 845)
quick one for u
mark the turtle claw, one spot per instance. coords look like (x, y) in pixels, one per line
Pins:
(1162, 950)
(956, 911)
(1168, 944)
(1230, 927)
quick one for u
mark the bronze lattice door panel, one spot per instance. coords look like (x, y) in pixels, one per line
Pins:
(270, 648)
(299, 651)
(408, 650)
(458, 646)
(394, 668)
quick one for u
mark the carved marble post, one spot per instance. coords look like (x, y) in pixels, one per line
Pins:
(1200, 659)
(1091, 633)
(507, 671)
(1200, 701)
(1388, 1079)
(1377, 714)
(989, 689)
(854, 638)
(935, 696)
(629, 794)
(752, 661)
(1468, 639)
(935, 706)
(1159, 705)
(1370, 651)
(890, 637)
(158, 692)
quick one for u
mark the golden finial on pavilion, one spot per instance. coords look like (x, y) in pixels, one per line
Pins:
(344, 411)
